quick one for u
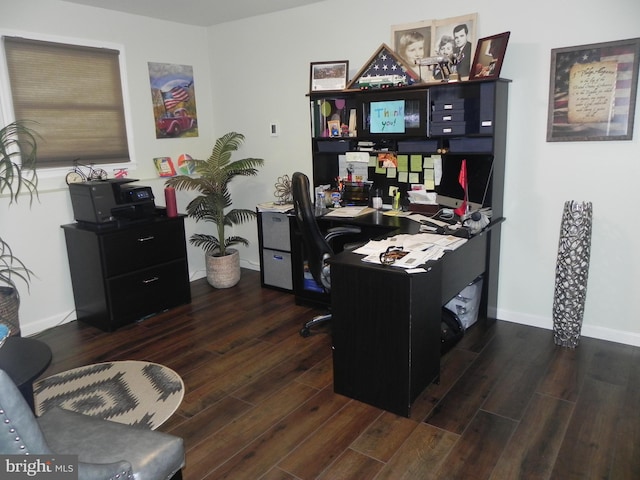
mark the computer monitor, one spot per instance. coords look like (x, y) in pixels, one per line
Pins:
(388, 114)
(450, 193)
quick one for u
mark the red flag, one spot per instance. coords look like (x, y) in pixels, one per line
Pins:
(462, 180)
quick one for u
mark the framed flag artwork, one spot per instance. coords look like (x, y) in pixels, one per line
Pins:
(592, 92)
(174, 100)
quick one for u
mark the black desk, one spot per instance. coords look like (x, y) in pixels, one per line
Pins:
(24, 359)
(386, 322)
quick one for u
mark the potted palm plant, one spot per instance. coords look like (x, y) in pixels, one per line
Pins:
(212, 179)
(18, 148)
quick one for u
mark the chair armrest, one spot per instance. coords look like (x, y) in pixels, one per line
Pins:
(152, 455)
(339, 231)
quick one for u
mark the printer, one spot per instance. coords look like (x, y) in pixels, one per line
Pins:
(105, 201)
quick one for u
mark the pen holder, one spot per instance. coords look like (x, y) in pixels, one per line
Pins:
(396, 202)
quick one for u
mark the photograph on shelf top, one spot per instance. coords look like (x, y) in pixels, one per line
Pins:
(411, 42)
(328, 76)
(592, 91)
(456, 37)
(489, 56)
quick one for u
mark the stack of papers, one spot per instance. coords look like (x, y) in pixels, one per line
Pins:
(275, 207)
(348, 212)
(421, 248)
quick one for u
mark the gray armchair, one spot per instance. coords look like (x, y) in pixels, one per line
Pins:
(106, 450)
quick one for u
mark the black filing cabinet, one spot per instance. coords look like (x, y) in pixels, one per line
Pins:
(274, 236)
(126, 272)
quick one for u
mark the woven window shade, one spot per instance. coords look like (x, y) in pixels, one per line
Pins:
(74, 94)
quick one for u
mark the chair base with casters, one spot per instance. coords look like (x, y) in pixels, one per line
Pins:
(305, 331)
(106, 450)
(332, 233)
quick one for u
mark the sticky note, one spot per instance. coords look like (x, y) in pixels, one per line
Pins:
(403, 163)
(416, 163)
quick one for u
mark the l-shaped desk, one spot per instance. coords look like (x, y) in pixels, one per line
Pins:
(386, 322)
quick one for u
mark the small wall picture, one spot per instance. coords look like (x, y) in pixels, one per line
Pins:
(174, 100)
(327, 76)
(490, 51)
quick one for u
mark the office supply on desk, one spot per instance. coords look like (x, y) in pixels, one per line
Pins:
(408, 251)
(348, 212)
(356, 193)
(396, 213)
(318, 247)
(274, 207)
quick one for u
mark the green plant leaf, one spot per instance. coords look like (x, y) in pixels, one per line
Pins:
(211, 181)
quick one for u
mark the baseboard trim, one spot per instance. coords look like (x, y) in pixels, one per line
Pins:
(591, 331)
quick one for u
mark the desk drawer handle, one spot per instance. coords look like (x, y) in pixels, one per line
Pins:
(150, 280)
(146, 239)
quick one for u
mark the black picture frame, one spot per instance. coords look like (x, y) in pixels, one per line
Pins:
(592, 91)
(328, 76)
(489, 55)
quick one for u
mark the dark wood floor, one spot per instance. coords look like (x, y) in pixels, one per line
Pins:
(259, 401)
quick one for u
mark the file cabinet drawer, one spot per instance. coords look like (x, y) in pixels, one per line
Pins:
(277, 269)
(147, 291)
(142, 246)
(275, 231)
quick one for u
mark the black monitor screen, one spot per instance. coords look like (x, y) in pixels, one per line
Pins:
(393, 115)
(479, 171)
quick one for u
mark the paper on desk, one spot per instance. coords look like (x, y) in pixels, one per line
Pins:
(412, 259)
(374, 247)
(396, 213)
(422, 197)
(422, 247)
(275, 207)
(357, 157)
(348, 212)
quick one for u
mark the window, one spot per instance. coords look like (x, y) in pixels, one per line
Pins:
(74, 93)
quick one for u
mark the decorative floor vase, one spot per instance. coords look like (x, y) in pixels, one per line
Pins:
(572, 271)
(224, 272)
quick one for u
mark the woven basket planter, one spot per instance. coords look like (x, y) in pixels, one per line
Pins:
(9, 305)
(223, 272)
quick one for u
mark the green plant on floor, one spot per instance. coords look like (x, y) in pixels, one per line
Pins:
(214, 203)
(18, 154)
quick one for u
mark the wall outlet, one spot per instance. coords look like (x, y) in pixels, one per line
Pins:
(274, 129)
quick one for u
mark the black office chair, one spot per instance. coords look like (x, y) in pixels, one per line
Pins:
(317, 246)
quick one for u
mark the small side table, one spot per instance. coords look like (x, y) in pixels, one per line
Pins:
(24, 360)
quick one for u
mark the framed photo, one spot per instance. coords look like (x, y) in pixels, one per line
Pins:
(592, 92)
(334, 128)
(487, 61)
(327, 76)
(412, 41)
(457, 36)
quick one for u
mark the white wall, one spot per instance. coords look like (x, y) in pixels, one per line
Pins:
(259, 73)
(35, 234)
